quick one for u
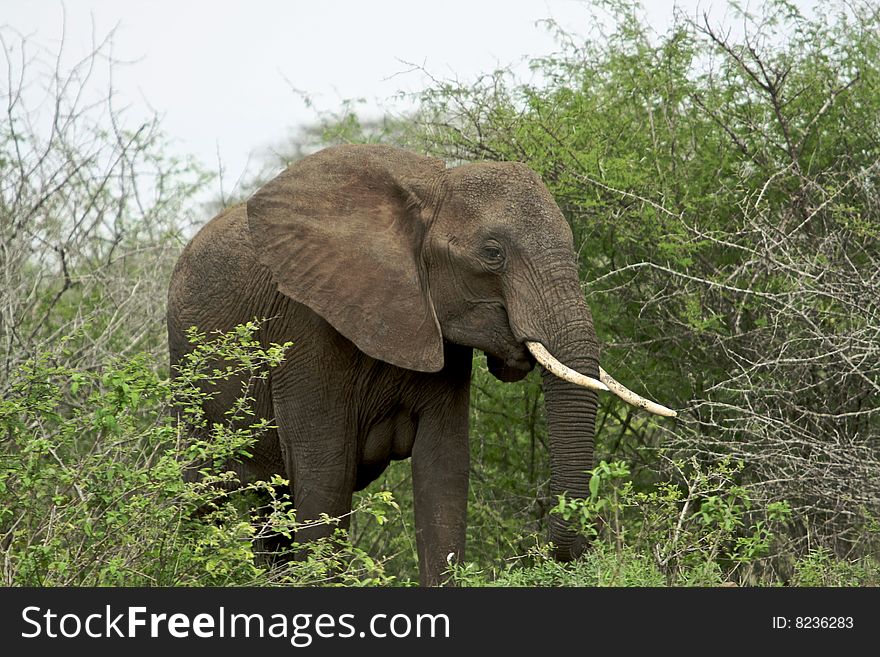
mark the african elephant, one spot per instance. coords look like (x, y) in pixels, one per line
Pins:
(386, 269)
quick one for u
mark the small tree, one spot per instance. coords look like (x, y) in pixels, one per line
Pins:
(92, 212)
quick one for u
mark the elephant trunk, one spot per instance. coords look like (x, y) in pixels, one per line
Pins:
(557, 328)
(561, 324)
(570, 386)
(571, 421)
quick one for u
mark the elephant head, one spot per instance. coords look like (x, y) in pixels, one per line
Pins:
(399, 254)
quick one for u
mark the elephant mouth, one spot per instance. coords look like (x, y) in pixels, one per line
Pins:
(513, 367)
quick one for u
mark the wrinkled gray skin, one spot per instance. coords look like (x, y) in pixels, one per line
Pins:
(386, 269)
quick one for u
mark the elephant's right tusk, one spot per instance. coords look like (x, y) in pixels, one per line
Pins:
(630, 397)
(564, 372)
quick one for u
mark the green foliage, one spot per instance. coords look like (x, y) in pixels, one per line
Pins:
(601, 566)
(703, 531)
(820, 568)
(705, 523)
(92, 486)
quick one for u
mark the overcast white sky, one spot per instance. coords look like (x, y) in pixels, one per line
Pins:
(221, 72)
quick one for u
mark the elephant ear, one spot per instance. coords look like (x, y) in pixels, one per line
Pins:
(341, 231)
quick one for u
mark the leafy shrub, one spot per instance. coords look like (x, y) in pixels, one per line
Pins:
(821, 568)
(702, 531)
(91, 478)
(601, 566)
(702, 524)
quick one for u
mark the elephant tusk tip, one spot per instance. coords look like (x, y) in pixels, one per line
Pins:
(630, 397)
(658, 409)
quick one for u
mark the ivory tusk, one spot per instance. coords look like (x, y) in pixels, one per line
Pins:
(563, 371)
(630, 397)
(606, 382)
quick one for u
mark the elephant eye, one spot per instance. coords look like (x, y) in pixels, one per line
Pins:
(493, 254)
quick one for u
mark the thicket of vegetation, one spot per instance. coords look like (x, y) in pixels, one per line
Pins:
(723, 186)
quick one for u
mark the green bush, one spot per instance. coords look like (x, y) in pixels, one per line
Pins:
(702, 523)
(821, 568)
(92, 489)
(601, 566)
(701, 532)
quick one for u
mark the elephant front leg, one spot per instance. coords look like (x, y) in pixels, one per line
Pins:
(318, 451)
(440, 462)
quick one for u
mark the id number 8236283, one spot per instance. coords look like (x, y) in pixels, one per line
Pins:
(813, 622)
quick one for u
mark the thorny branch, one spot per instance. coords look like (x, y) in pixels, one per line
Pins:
(88, 209)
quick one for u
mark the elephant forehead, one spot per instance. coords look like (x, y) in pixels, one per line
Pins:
(480, 180)
(505, 192)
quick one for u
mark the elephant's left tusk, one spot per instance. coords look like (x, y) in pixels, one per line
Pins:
(630, 397)
(606, 382)
(564, 372)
